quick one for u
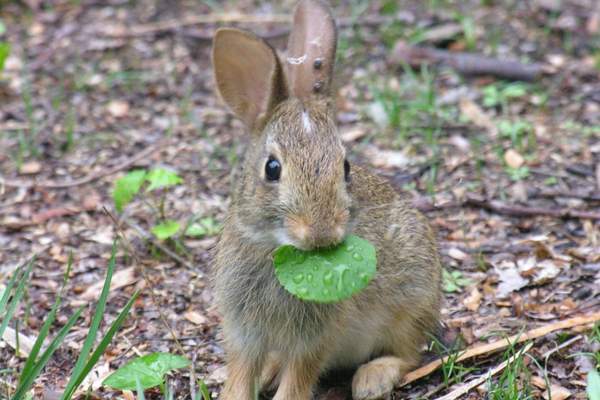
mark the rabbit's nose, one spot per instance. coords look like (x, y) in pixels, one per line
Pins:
(310, 236)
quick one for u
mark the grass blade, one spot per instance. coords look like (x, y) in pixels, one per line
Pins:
(101, 347)
(47, 323)
(9, 288)
(27, 381)
(140, 389)
(95, 324)
(17, 298)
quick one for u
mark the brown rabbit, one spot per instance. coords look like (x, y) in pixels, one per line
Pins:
(294, 186)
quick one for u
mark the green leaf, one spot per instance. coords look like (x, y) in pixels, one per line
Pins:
(4, 52)
(2, 28)
(203, 390)
(127, 187)
(454, 281)
(205, 227)
(161, 178)
(149, 369)
(95, 325)
(593, 385)
(326, 275)
(165, 229)
(24, 279)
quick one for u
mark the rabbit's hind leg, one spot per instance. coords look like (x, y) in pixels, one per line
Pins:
(377, 378)
(269, 377)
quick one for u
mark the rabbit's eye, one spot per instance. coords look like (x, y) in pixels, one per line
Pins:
(273, 169)
(347, 170)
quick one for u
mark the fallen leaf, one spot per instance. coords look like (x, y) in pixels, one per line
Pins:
(118, 108)
(25, 342)
(120, 279)
(387, 158)
(513, 159)
(195, 317)
(557, 392)
(510, 279)
(219, 375)
(353, 134)
(30, 168)
(476, 115)
(473, 300)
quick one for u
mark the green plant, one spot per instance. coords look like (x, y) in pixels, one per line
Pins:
(499, 94)
(145, 372)
(452, 371)
(326, 275)
(520, 133)
(454, 281)
(158, 179)
(593, 385)
(4, 47)
(35, 362)
(206, 226)
(514, 382)
(517, 174)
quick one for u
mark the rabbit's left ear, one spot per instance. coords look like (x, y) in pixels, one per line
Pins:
(311, 49)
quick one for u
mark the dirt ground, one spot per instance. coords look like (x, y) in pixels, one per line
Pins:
(508, 173)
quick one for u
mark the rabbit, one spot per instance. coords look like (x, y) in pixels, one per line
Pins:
(295, 186)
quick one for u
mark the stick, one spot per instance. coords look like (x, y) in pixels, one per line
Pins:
(147, 236)
(525, 211)
(425, 205)
(481, 349)
(466, 63)
(121, 31)
(86, 179)
(464, 389)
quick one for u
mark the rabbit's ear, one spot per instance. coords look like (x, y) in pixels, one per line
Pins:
(311, 49)
(248, 74)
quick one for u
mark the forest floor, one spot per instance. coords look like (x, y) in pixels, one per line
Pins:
(507, 172)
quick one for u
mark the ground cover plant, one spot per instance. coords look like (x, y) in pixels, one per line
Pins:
(100, 98)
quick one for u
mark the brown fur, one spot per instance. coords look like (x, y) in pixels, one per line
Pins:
(264, 326)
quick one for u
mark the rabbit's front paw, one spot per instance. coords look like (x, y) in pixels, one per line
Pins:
(376, 379)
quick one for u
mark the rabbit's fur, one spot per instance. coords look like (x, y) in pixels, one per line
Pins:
(272, 337)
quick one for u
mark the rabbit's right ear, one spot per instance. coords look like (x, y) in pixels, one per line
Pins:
(248, 74)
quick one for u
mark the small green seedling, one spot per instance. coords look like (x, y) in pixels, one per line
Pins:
(148, 370)
(454, 281)
(127, 187)
(204, 227)
(326, 275)
(593, 385)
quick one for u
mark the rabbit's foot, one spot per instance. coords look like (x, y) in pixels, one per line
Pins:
(376, 379)
(269, 378)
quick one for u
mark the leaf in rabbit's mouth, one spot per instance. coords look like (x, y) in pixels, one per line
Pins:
(326, 275)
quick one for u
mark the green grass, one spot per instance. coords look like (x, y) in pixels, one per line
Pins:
(514, 381)
(39, 356)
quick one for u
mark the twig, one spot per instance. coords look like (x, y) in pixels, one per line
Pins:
(121, 31)
(481, 349)
(465, 63)
(561, 346)
(526, 211)
(499, 207)
(147, 236)
(151, 289)
(464, 389)
(86, 179)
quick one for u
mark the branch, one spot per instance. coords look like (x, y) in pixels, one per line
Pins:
(86, 179)
(492, 347)
(425, 205)
(466, 63)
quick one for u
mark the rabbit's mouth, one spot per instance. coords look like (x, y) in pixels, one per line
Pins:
(310, 236)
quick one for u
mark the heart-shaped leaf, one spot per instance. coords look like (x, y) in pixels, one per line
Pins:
(149, 370)
(166, 229)
(326, 275)
(127, 187)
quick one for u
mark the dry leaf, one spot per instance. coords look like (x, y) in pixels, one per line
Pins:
(557, 392)
(118, 108)
(30, 168)
(386, 158)
(120, 279)
(219, 375)
(353, 134)
(195, 317)
(513, 159)
(476, 115)
(25, 342)
(473, 301)
(457, 254)
(510, 279)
